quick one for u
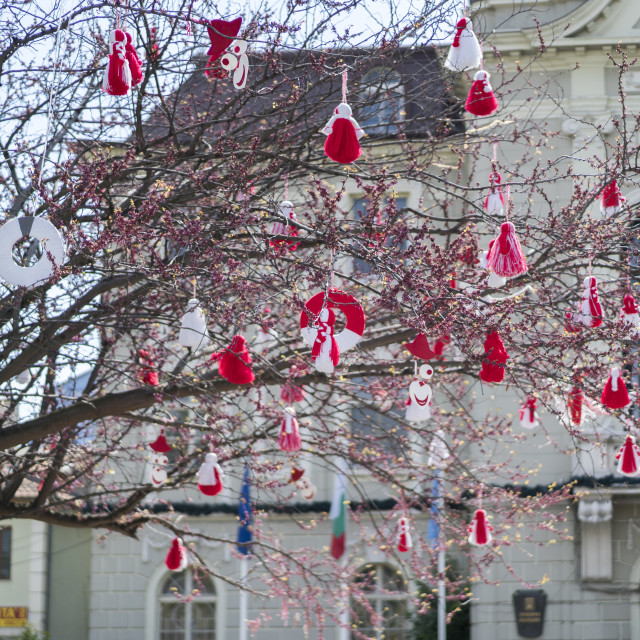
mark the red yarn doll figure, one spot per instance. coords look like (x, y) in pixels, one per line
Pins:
(176, 559)
(117, 76)
(289, 439)
(284, 228)
(629, 314)
(135, 65)
(590, 312)
(574, 405)
(343, 134)
(405, 543)
(325, 351)
(611, 200)
(480, 529)
(494, 202)
(210, 476)
(481, 101)
(528, 415)
(493, 365)
(629, 458)
(614, 394)
(235, 362)
(505, 257)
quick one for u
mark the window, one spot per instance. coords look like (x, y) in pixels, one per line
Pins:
(5, 553)
(192, 620)
(387, 615)
(382, 92)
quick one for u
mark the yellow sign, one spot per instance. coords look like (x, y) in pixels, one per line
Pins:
(13, 616)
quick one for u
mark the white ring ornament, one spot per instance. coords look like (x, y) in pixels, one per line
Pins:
(39, 229)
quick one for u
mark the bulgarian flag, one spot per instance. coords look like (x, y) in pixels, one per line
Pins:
(338, 515)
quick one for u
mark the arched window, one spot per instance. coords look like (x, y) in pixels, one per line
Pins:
(191, 620)
(385, 614)
(382, 92)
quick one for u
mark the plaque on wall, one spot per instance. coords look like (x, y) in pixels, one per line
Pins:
(529, 605)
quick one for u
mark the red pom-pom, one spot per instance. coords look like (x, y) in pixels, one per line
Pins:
(235, 362)
(290, 439)
(505, 256)
(176, 559)
(574, 405)
(614, 394)
(481, 101)
(210, 476)
(629, 458)
(495, 358)
(343, 133)
(117, 76)
(480, 529)
(135, 66)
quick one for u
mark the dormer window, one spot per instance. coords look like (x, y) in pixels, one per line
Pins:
(382, 92)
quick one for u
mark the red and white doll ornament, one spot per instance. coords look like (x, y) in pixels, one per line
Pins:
(235, 61)
(235, 362)
(614, 394)
(611, 200)
(343, 132)
(505, 257)
(465, 52)
(575, 400)
(193, 326)
(629, 458)
(221, 35)
(495, 358)
(528, 414)
(420, 395)
(590, 312)
(481, 101)
(289, 439)
(117, 76)
(317, 322)
(494, 202)
(629, 315)
(404, 541)
(210, 476)
(480, 529)
(177, 559)
(284, 228)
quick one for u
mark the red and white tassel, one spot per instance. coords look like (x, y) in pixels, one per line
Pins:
(590, 312)
(614, 394)
(528, 415)
(135, 66)
(290, 439)
(480, 529)
(193, 327)
(177, 559)
(235, 362)
(494, 202)
(505, 256)
(629, 315)
(575, 400)
(465, 52)
(611, 200)
(405, 543)
(117, 76)
(420, 395)
(481, 101)
(629, 458)
(210, 476)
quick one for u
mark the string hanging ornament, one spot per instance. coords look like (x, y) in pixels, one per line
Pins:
(589, 313)
(343, 131)
(505, 257)
(124, 68)
(193, 326)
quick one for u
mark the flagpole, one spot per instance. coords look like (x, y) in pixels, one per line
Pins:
(442, 595)
(244, 597)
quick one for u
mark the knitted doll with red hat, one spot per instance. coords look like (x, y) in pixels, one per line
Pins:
(289, 439)
(629, 315)
(343, 134)
(210, 476)
(614, 394)
(176, 559)
(481, 101)
(590, 312)
(629, 457)
(465, 52)
(325, 351)
(494, 202)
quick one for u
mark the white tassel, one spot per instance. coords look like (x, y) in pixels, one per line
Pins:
(193, 330)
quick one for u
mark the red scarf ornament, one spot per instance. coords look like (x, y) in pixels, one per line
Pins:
(611, 200)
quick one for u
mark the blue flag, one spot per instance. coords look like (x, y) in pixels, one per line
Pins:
(433, 530)
(245, 516)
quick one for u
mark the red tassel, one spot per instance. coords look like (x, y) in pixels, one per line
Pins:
(505, 256)
(221, 35)
(611, 199)
(495, 358)
(135, 66)
(481, 101)
(235, 362)
(148, 374)
(290, 439)
(210, 476)
(117, 76)
(574, 405)
(343, 134)
(405, 543)
(290, 393)
(176, 559)
(480, 529)
(629, 458)
(614, 394)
